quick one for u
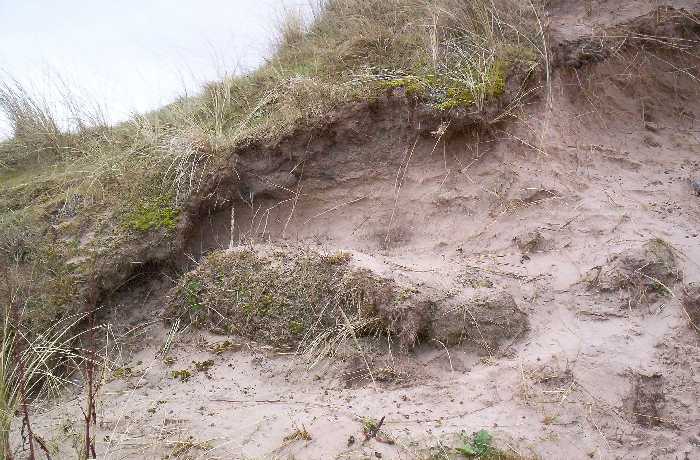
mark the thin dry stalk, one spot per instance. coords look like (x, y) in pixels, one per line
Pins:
(92, 387)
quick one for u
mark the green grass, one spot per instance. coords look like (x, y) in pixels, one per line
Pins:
(479, 446)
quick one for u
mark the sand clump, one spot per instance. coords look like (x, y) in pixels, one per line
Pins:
(645, 402)
(645, 273)
(483, 317)
(285, 297)
(691, 304)
(299, 298)
(530, 241)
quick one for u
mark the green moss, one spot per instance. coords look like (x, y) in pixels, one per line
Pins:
(456, 97)
(296, 327)
(414, 86)
(495, 83)
(203, 366)
(222, 347)
(155, 215)
(183, 375)
(122, 373)
(451, 90)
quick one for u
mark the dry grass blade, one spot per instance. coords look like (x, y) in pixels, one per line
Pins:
(41, 370)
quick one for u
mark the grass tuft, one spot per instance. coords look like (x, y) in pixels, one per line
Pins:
(31, 365)
(286, 299)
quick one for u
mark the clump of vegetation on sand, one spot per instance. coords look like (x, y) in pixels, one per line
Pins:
(291, 299)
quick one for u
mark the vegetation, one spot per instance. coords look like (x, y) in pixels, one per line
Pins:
(480, 445)
(222, 347)
(31, 366)
(299, 434)
(284, 298)
(203, 366)
(155, 215)
(184, 447)
(182, 374)
(370, 427)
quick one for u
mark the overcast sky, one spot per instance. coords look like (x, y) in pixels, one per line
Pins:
(133, 55)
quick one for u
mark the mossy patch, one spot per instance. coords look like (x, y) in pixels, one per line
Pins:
(414, 86)
(222, 347)
(182, 375)
(152, 215)
(463, 86)
(203, 366)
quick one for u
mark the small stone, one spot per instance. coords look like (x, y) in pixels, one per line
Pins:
(695, 185)
(651, 126)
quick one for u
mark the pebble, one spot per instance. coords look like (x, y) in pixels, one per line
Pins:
(695, 185)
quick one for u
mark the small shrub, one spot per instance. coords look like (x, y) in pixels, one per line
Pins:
(299, 434)
(479, 446)
(370, 427)
(183, 375)
(203, 366)
(222, 347)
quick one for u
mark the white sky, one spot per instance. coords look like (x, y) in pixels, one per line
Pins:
(133, 55)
